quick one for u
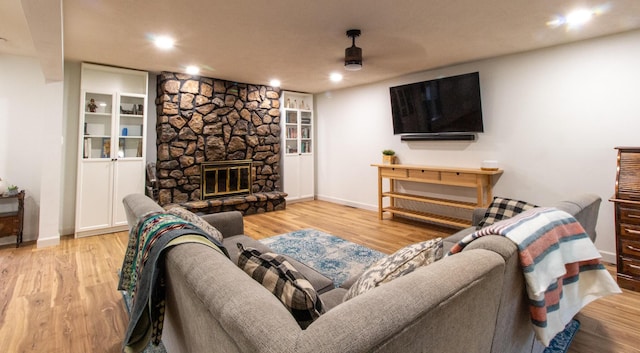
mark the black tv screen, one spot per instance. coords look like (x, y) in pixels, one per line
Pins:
(444, 105)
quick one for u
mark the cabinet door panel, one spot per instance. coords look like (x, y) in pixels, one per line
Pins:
(290, 176)
(129, 179)
(94, 196)
(306, 176)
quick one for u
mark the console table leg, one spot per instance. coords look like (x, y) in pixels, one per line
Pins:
(379, 194)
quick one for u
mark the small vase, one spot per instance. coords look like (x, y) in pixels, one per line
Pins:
(388, 159)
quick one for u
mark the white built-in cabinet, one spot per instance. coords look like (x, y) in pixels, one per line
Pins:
(111, 149)
(297, 145)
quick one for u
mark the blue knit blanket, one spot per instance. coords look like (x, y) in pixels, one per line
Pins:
(142, 273)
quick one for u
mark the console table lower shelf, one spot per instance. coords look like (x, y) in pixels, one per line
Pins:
(479, 179)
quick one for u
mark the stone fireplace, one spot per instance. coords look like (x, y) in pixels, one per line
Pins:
(210, 128)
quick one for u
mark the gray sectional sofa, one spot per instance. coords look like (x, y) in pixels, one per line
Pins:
(471, 302)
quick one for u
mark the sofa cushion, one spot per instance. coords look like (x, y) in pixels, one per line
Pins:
(397, 264)
(332, 298)
(196, 221)
(277, 275)
(503, 208)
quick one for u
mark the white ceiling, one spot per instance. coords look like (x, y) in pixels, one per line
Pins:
(302, 42)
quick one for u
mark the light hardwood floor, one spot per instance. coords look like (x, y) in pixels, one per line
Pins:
(64, 298)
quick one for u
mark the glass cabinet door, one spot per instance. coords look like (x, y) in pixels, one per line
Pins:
(97, 125)
(291, 126)
(305, 132)
(130, 126)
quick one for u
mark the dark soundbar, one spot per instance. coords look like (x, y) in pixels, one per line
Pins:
(439, 137)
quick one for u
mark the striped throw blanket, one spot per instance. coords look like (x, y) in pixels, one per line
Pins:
(142, 273)
(560, 263)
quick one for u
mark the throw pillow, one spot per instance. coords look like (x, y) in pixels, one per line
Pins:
(503, 208)
(277, 275)
(196, 221)
(398, 264)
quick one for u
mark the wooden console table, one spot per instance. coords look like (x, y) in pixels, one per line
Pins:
(479, 179)
(11, 222)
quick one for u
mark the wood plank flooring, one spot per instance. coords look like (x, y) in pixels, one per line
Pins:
(64, 298)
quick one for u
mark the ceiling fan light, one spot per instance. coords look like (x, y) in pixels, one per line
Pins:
(353, 58)
(353, 54)
(352, 66)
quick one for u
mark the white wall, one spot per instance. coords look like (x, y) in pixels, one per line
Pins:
(71, 104)
(30, 142)
(552, 119)
(35, 118)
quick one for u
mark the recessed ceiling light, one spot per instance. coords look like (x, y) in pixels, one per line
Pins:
(575, 19)
(274, 83)
(193, 70)
(579, 17)
(335, 77)
(164, 42)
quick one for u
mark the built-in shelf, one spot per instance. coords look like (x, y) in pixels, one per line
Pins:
(111, 140)
(298, 146)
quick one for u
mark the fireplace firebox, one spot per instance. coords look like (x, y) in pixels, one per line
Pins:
(225, 178)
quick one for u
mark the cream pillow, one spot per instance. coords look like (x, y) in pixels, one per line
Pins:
(398, 264)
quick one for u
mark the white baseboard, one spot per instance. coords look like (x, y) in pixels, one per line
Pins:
(347, 203)
(49, 241)
(608, 256)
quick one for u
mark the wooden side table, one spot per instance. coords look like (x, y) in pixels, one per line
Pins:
(626, 202)
(11, 222)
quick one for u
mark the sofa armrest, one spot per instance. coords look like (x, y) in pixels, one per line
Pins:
(478, 215)
(136, 206)
(228, 223)
(585, 209)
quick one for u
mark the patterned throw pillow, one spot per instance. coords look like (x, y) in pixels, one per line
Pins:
(398, 264)
(196, 221)
(277, 275)
(503, 208)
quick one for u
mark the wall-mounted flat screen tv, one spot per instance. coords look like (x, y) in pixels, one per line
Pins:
(447, 105)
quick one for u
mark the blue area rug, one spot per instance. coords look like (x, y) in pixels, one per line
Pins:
(334, 257)
(562, 341)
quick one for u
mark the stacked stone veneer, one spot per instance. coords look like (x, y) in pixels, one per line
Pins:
(203, 119)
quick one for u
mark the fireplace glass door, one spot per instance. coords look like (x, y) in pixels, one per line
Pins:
(225, 178)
